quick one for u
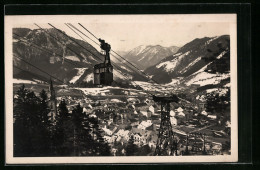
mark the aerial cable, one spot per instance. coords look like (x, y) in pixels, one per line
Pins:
(79, 44)
(146, 75)
(91, 40)
(74, 31)
(37, 67)
(71, 27)
(82, 38)
(97, 44)
(83, 34)
(88, 31)
(25, 40)
(73, 40)
(33, 74)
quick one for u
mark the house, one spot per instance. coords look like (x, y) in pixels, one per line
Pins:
(89, 106)
(179, 109)
(151, 109)
(144, 113)
(137, 138)
(145, 124)
(181, 114)
(204, 113)
(172, 113)
(108, 139)
(212, 117)
(136, 130)
(174, 121)
(109, 131)
(123, 133)
(85, 110)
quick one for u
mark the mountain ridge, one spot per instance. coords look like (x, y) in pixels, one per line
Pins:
(190, 58)
(144, 56)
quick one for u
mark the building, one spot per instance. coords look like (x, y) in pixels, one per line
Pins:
(145, 124)
(174, 121)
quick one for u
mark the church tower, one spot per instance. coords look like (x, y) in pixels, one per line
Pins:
(52, 102)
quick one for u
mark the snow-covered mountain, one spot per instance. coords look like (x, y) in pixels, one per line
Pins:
(196, 63)
(212, 54)
(146, 56)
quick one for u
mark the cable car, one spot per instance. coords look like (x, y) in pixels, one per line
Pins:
(103, 72)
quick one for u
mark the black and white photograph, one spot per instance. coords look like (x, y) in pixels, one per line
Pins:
(121, 88)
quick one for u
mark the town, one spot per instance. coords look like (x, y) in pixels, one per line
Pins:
(130, 113)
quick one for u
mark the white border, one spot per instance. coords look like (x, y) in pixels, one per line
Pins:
(11, 20)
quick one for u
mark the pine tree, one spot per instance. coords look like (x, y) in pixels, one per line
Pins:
(100, 146)
(82, 141)
(218, 103)
(44, 109)
(29, 131)
(21, 141)
(59, 140)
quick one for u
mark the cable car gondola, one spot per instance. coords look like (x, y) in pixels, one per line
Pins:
(103, 72)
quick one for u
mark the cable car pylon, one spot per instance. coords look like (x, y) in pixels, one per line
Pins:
(166, 143)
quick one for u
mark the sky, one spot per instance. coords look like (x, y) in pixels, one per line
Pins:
(125, 32)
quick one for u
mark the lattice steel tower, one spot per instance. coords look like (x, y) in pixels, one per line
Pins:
(166, 143)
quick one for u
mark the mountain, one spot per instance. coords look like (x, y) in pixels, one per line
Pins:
(77, 68)
(196, 63)
(204, 54)
(146, 56)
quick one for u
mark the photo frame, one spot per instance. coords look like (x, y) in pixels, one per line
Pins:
(123, 9)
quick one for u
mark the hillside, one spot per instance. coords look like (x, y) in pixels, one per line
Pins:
(76, 69)
(192, 57)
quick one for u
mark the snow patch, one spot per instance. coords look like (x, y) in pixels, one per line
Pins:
(212, 39)
(116, 101)
(169, 66)
(88, 78)
(227, 85)
(119, 75)
(139, 49)
(221, 55)
(21, 81)
(123, 67)
(174, 82)
(79, 74)
(73, 58)
(204, 78)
